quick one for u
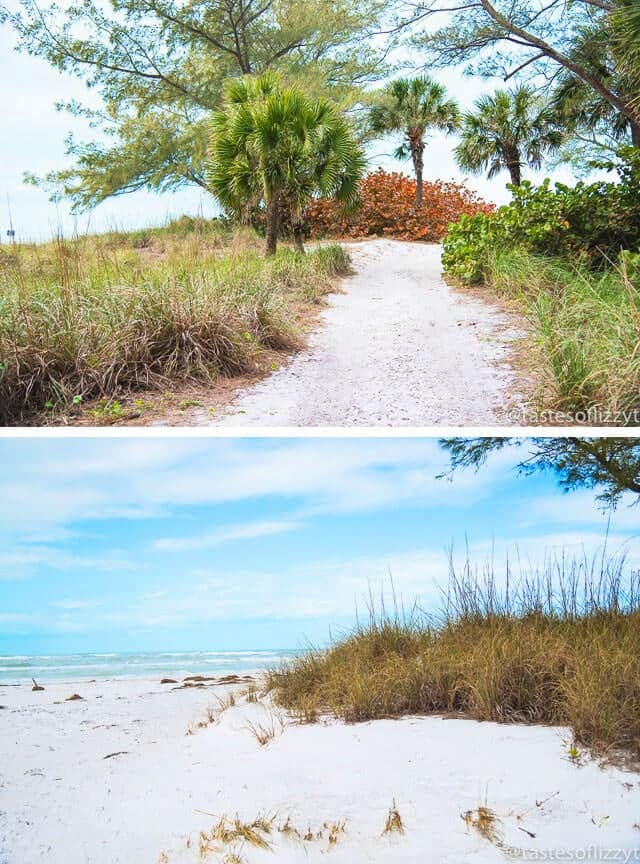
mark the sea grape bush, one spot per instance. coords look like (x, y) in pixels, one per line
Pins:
(388, 208)
(590, 222)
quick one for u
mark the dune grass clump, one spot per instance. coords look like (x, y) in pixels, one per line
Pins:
(560, 647)
(97, 317)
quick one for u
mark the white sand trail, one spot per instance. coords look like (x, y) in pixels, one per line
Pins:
(398, 348)
(63, 803)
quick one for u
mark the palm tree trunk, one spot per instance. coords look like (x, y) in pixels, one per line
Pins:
(273, 224)
(298, 234)
(417, 150)
(514, 171)
(635, 134)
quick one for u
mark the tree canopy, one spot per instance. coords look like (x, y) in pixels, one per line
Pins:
(160, 66)
(275, 146)
(585, 43)
(412, 106)
(506, 131)
(609, 465)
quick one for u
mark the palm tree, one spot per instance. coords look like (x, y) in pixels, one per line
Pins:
(412, 106)
(624, 19)
(276, 147)
(508, 130)
(613, 55)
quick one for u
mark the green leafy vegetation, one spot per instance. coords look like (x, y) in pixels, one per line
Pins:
(609, 466)
(413, 106)
(569, 257)
(267, 106)
(589, 222)
(560, 646)
(160, 67)
(587, 331)
(99, 317)
(508, 130)
(582, 55)
(274, 146)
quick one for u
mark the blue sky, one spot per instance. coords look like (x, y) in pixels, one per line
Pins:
(33, 140)
(129, 544)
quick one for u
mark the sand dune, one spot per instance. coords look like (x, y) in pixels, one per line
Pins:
(178, 761)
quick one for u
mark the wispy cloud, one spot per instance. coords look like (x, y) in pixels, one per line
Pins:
(70, 605)
(226, 534)
(21, 561)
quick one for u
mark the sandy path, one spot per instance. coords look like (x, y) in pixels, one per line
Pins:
(398, 348)
(62, 802)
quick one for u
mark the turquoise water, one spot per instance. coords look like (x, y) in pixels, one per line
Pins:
(69, 667)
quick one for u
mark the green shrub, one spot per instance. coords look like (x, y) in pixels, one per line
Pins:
(594, 222)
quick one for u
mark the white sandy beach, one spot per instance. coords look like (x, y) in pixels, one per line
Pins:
(63, 802)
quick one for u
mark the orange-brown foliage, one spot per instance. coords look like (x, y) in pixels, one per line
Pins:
(388, 208)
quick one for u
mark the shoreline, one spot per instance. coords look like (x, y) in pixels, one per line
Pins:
(80, 667)
(136, 771)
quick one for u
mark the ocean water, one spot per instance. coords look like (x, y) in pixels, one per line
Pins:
(71, 667)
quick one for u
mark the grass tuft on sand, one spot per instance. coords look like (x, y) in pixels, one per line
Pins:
(562, 646)
(394, 823)
(97, 317)
(485, 822)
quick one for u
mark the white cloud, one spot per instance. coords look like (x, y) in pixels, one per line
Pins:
(229, 533)
(71, 605)
(45, 491)
(21, 561)
(580, 507)
(336, 588)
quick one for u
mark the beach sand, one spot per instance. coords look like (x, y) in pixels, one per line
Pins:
(63, 802)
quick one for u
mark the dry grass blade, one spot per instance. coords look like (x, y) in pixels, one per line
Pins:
(262, 734)
(485, 822)
(394, 823)
(227, 831)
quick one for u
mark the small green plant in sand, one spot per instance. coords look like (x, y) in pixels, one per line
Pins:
(574, 754)
(394, 823)
(108, 410)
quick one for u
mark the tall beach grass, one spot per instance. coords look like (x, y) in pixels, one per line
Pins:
(586, 327)
(559, 646)
(95, 317)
